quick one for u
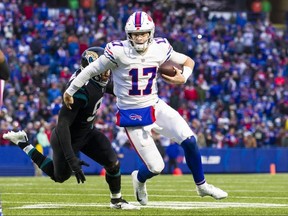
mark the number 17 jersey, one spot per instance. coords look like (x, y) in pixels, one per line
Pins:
(135, 75)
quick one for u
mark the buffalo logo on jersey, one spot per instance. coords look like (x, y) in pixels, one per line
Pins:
(135, 117)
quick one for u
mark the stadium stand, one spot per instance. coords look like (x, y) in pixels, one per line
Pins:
(239, 85)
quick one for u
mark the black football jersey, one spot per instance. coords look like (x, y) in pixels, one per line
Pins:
(87, 101)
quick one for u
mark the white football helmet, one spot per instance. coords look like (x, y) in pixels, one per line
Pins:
(140, 22)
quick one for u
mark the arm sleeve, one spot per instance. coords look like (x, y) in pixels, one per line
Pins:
(4, 71)
(65, 120)
(178, 58)
(97, 67)
(181, 59)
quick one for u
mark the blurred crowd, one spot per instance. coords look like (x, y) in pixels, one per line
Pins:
(236, 97)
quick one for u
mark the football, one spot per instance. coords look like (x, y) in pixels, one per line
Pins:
(167, 68)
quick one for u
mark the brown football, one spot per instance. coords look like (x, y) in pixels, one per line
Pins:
(167, 68)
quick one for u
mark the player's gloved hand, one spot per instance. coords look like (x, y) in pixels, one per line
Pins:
(75, 165)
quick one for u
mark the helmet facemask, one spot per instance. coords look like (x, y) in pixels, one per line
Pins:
(102, 79)
(140, 47)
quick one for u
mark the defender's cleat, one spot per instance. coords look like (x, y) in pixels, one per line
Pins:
(140, 191)
(120, 203)
(16, 137)
(210, 190)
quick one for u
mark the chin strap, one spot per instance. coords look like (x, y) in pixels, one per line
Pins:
(141, 47)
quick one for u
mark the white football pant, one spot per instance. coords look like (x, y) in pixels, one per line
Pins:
(170, 124)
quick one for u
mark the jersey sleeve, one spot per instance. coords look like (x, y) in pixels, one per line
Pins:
(97, 67)
(81, 95)
(178, 58)
(113, 51)
(65, 120)
(165, 47)
(110, 53)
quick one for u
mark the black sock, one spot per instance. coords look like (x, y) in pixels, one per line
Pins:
(43, 162)
(114, 182)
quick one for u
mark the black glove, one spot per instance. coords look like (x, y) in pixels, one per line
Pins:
(75, 165)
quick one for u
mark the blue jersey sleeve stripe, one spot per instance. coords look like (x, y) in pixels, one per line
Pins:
(109, 54)
(170, 50)
(110, 58)
(168, 57)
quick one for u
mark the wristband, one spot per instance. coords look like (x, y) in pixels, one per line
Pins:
(187, 71)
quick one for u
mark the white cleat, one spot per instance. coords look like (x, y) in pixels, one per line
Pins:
(16, 137)
(210, 190)
(140, 191)
(120, 203)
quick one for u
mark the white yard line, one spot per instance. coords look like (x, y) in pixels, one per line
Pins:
(128, 195)
(159, 205)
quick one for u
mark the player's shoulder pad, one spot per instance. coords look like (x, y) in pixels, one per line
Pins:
(113, 49)
(164, 46)
(163, 43)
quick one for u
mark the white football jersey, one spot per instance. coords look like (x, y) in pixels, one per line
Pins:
(135, 75)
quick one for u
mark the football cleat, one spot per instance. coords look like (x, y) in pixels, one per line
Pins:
(210, 190)
(120, 203)
(140, 191)
(16, 137)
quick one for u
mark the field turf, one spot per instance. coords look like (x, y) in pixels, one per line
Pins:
(249, 194)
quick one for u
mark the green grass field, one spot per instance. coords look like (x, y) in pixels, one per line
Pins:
(249, 194)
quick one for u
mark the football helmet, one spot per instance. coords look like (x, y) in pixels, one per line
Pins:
(90, 55)
(140, 22)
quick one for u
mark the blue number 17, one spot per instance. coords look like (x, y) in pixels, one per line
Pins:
(135, 88)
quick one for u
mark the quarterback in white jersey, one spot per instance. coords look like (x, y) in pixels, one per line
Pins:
(134, 63)
(135, 74)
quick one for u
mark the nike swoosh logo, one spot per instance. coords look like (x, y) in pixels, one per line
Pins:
(138, 199)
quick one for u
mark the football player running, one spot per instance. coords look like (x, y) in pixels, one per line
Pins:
(134, 63)
(75, 132)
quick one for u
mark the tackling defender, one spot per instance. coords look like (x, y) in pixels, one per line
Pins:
(134, 63)
(75, 131)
